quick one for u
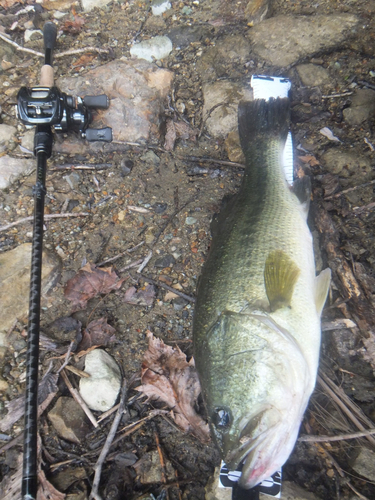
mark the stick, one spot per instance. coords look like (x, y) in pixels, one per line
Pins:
(131, 265)
(76, 395)
(189, 298)
(61, 54)
(145, 262)
(105, 450)
(204, 159)
(119, 255)
(162, 463)
(349, 190)
(339, 437)
(97, 166)
(46, 216)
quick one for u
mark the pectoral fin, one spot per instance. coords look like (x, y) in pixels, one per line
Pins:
(322, 282)
(280, 277)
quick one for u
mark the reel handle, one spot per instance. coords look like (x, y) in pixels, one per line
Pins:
(96, 101)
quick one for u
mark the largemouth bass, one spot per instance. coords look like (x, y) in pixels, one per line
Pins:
(257, 317)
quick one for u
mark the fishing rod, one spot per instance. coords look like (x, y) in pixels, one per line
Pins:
(48, 109)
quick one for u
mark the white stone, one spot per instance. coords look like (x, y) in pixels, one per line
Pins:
(101, 389)
(11, 168)
(88, 5)
(157, 48)
(158, 7)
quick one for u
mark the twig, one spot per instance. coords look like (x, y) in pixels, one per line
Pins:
(336, 195)
(129, 429)
(119, 255)
(339, 437)
(108, 413)
(359, 210)
(189, 298)
(145, 262)
(58, 55)
(12, 328)
(77, 372)
(204, 159)
(105, 450)
(67, 357)
(97, 166)
(76, 395)
(336, 95)
(46, 217)
(131, 265)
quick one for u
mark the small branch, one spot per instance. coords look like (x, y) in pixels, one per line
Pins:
(119, 255)
(162, 463)
(131, 265)
(46, 217)
(339, 437)
(189, 298)
(331, 96)
(145, 262)
(204, 159)
(105, 450)
(76, 395)
(67, 357)
(57, 56)
(97, 166)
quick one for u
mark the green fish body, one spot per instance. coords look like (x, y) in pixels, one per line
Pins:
(257, 317)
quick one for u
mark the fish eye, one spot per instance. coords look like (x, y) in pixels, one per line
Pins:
(221, 418)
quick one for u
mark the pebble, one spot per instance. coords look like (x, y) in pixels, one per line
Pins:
(101, 389)
(69, 420)
(165, 261)
(297, 37)
(151, 157)
(73, 179)
(179, 303)
(3, 385)
(158, 47)
(158, 7)
(190, 221)
(27, 140)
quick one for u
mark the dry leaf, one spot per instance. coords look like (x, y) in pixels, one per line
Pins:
(170, 135)
(97, 333)
(89, 282)
(310, 159)
(168, 377)
(84, 60)
(141, 297)
(46, 491)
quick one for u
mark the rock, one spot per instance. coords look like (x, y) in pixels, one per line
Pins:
(364, 463)
(283, 40)
(226, 96)
(136, 90)
(346, 163)
(27, 140)
(362, 107)
(256, 11)
(15, 282)
(158, 47)
(62, 479)
(151, 157)
(190, 221)
(165, 261)
(182, 36)
(7, 133)
(215, 61)
(12, 168)
(69, 420)
(233, 147)
(179, 303)
(158, 7)
(291, 491)
(313, 75)
(100, 391)
(88, 5)
(3, 385)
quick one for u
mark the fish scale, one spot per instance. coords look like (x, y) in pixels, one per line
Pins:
(256, 342)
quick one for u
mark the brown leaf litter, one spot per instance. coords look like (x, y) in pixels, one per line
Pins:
(167, 376)
(89, 282)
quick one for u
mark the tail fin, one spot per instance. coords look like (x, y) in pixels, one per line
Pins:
(261, 120)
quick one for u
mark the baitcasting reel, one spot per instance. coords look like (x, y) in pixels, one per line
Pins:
(49, 106)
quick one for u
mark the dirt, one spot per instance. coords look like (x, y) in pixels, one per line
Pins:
(171, 192)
